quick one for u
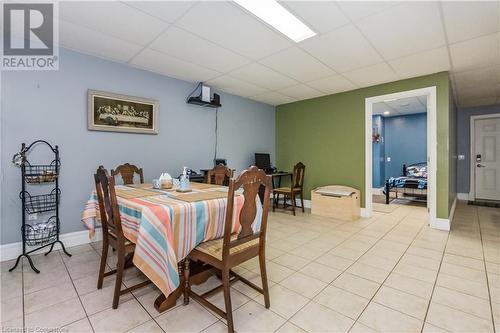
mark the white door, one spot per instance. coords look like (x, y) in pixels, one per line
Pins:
(487, 158)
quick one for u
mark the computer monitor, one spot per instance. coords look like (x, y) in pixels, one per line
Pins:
(263, 161)
(222, 161)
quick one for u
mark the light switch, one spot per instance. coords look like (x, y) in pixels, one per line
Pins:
(461, 157)
(388, 159)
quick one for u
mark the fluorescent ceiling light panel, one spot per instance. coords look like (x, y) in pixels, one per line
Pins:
(271, 12)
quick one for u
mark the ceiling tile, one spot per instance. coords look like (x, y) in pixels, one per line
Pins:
(381, 107)
(88, 41)
(343, 49)
(225, 24)
(322, 16)
(113, 18)
(405, 29)
(263, 76)
(465, 102)
(332, 84)
(300, 91)
(168, 11)
(371, 75)
(408, 105)
(469, 19)
(477, 52)
(273, 98)
(481, 91)
(234, 86)
(422, 63)
(297, 64)
(164, 64)
(356, 10)
(476, 77)
(184, 45)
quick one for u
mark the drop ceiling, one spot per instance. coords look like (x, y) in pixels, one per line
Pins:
(401, 107)
(358, 44)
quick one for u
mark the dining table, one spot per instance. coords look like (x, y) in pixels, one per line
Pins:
(166, 225)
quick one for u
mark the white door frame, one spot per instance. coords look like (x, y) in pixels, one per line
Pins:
(472, 176)
(430, 92)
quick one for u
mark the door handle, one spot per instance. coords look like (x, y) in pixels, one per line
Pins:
(479, 165)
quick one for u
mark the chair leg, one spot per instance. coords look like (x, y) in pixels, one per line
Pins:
(102, 267)
(119, 277)
(302, 200)
(187, 287)
(274, 201)
(263, 275)
(293, 203)
(227, 300)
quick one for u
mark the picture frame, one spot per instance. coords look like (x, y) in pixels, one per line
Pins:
(113, 112)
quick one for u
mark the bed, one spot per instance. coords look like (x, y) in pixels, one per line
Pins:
(413, 183)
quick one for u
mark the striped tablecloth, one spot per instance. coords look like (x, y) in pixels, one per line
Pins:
(166, 229)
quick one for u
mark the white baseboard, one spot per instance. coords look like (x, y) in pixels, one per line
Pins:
(452, 210)
(13, 250)
(463, 196)
(307, 203)
(442, 224)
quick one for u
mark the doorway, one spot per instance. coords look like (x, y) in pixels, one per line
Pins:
(485, 158)
(399, 153)
(428, 95)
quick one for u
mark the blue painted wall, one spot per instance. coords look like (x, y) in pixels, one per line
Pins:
(53, 105)
(405, 142)
(403, 139)
(378, 151)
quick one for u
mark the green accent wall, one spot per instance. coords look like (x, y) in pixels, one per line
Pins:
(327, 134)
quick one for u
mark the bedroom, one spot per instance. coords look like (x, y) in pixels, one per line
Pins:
(399, 153)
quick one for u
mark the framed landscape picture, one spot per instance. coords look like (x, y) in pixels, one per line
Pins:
(122, 113)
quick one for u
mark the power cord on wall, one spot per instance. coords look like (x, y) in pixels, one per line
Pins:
(192, 92)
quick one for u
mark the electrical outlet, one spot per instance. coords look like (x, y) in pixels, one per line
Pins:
(461, 157)
(388, 159)
(32, 217)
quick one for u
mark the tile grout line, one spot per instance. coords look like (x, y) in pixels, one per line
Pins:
(485, 268)
(311, 299)
(464, 293)
(435, 281)
(391, 271)
(355, 261)
(77, 294)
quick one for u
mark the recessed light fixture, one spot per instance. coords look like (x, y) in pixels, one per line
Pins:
(274, 14)
(386, 113)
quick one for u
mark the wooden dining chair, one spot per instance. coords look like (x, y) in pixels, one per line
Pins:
(219, 175)
(127, 172)
(112, 234)
(233, 249)
(296, 188)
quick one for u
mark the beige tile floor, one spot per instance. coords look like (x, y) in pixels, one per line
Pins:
(390, 273)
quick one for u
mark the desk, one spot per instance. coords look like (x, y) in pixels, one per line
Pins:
(204, 172)
(166, 226)
(274, 175)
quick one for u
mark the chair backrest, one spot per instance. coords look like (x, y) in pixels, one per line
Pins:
(219, 175)
(108, 205)
(250, 180)
(298, 175)
(127, 172)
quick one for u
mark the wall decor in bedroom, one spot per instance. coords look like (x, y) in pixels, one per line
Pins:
(121, 113)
